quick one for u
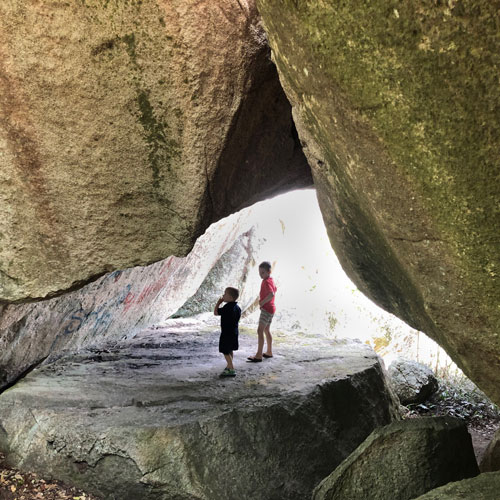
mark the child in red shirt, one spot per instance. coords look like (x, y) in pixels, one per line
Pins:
(267, 310)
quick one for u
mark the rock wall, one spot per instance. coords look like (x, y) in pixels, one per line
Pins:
(236, 268)
(397, 108)
(116, 305)
(126, 128)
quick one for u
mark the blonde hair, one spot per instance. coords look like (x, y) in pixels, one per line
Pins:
(234, 292)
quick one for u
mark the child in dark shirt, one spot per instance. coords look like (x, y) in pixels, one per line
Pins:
(229, 318)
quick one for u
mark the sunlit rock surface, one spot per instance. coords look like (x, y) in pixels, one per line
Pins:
(484, 487)
(150, 418)
(119, 304)
(402, 461)
(397, 107)
(126, 128)
(236, 268)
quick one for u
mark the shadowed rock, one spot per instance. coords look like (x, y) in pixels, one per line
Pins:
(483, 487)
(151, 418)
(398, 110)
(491, 457)
(403, 460)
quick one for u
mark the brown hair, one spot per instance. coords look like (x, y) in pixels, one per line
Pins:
(265, 265)
(234, 292)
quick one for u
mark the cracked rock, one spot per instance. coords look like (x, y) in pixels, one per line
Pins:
(412, 381)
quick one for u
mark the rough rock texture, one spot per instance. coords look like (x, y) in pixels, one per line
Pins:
(483, 487)
(412, 381)
(126, 128)
(403, 460)
(236, 268)
(150, 418)
(397, 106)
(114, 306)
(491, 457)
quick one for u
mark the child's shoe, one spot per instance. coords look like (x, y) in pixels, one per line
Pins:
(228, 373)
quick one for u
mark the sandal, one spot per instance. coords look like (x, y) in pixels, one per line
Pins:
(267, 356)
(251, 359)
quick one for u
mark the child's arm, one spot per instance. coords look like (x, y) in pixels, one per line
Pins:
(216, 308)
(266, 299)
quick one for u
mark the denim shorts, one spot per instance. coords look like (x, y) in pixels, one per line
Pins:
(265, 317)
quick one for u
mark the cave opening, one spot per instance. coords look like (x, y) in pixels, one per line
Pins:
(315, 297)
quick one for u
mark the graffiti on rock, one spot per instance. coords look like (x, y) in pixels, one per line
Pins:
(98, 318)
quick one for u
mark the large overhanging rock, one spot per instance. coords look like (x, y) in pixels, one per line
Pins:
(126, 128)
(397, 107)
(150, 418)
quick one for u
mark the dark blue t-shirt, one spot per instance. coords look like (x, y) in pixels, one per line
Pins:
(229, 318)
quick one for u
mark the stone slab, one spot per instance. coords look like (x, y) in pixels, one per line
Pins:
(402, 461)
(483, 487)
(151, 418)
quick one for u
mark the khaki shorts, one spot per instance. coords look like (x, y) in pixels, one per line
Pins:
(265, 317)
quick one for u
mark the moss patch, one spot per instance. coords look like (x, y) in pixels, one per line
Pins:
(162, 150)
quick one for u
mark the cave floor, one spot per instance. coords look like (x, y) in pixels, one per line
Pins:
(178, 367)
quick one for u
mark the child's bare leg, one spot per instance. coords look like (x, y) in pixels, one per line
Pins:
(260, 345)
(229, 360)
(269, 340)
